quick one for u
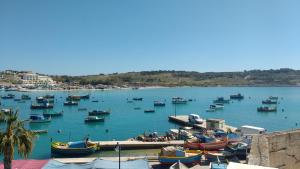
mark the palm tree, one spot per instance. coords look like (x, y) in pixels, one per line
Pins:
(15, 135)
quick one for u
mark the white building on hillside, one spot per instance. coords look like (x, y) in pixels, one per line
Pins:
(36, 79)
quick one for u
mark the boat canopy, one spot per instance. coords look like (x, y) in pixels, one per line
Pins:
(99, 164)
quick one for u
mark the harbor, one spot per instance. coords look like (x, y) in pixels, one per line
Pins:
(173, 123)
(121, 125)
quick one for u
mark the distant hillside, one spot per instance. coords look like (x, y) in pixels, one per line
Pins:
(280, 77)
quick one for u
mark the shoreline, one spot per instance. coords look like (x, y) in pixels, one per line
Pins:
(140, 88)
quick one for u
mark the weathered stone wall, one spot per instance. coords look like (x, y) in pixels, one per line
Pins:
(279, 150)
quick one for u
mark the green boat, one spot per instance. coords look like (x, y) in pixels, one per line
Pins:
(78, 148)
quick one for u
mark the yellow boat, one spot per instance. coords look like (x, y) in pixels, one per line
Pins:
(78, 148)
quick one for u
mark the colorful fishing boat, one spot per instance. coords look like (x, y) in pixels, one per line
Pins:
(170, 155)
(216, 144)
(79, 148)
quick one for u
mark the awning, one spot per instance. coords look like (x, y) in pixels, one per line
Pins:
(26, 164)
(99, 164)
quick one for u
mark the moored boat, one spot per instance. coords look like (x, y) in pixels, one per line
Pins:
(238, 96)
(149, 111)
(93, 119)
(79, 148)
(170, 155)
(221, 100)
(179, 100)
(70, 103)
(25, 97)
(269, 101)
(36, 118)
(39, 131)
(273, 97)
(213, 145)
(8, 96)
(137, 99)
(99, 112)
(42, 106)
(159, 104)
(240, 149)
(48, 96)
(267, 109)
(85, 96)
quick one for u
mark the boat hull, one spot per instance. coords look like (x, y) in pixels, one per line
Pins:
(40, 121)
(206, 146)
(72, 151)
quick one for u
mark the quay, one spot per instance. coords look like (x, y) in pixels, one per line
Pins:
(184, 120)
(129, 145)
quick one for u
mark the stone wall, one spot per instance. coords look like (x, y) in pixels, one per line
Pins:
(279, 150)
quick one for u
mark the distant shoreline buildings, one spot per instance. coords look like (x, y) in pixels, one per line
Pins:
(26, 79)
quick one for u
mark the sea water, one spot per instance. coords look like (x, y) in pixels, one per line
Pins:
(125, 122)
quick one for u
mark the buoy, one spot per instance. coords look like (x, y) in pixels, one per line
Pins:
(58, 131)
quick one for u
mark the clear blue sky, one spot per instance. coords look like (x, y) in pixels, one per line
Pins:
(103, 36)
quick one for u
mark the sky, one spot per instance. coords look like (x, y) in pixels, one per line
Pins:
(77, 37)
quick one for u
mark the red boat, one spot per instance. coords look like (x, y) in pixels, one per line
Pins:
(218, 144)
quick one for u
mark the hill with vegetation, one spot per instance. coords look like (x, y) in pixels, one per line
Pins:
(279, 77)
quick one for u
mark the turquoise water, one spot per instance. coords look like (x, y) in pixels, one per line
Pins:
(124, 122)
